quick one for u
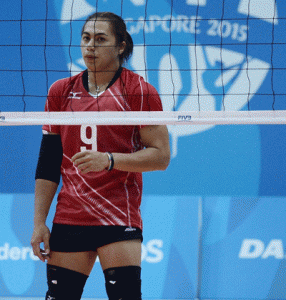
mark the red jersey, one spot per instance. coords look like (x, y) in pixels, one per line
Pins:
(106, 197)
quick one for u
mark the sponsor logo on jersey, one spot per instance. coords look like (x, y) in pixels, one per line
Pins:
(75, 95)
(130, 229)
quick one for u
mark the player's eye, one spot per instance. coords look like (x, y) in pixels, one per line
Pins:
(86, 38)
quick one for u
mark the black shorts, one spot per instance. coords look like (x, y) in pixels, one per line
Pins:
(71, 238)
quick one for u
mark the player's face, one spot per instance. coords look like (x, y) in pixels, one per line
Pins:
(99, 48)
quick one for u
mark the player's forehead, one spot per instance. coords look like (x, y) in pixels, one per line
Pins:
(98, 26)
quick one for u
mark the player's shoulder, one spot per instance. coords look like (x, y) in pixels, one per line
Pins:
(136, 83)
(62, 84)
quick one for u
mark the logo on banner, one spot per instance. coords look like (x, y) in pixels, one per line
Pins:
(152, 252)
(15, 258)
(204, 87)
(255, 248)
(9, 252)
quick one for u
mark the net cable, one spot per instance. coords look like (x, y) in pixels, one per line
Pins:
(144, 117)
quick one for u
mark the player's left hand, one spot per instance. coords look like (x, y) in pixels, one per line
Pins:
(90, 161)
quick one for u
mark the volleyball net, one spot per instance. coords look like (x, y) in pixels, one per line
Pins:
(212, 62)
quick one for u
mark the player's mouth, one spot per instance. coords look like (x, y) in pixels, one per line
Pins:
(90, 57)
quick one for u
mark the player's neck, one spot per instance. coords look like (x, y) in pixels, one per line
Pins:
(102, 77)
(99, 82)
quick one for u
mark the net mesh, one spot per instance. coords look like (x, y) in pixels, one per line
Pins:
(212, 62)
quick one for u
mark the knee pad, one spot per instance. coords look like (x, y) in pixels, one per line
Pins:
(64, 284)
(123, 283)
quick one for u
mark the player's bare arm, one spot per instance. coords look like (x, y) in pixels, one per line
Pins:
(90, 161)
(45, 191)
(155, 156)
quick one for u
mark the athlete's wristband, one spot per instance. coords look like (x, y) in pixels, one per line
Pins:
(111, 161)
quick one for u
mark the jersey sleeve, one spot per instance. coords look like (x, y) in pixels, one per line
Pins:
(146, 98)
(53, 103)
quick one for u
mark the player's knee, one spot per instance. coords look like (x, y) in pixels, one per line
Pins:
(64, 284)
(123, 283)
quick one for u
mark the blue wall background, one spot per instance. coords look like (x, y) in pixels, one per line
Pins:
(215, 220)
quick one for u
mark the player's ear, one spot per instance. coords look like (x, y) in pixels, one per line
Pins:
(122, 47)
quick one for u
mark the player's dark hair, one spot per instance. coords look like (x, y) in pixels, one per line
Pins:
(119, 29)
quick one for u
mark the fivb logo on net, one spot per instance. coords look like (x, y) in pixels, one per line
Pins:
(179, 89)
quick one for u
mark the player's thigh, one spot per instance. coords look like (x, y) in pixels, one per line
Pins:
(120, 254)
(77, 261)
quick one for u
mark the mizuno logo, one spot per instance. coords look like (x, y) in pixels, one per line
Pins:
(112, 282)
(74, 95)
(130, 229)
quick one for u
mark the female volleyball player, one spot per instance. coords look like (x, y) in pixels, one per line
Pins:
(98, 208)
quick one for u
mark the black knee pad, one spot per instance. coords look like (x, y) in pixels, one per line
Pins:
(64, 284)
(123, 283)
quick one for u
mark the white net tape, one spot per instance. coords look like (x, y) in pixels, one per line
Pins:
(143, 118)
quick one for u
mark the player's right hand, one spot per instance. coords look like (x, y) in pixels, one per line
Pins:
(41, 234)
